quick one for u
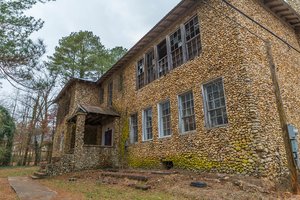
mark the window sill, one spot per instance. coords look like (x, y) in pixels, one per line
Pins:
(102, 146)
(91, 145)
(216, 127)
(144, 141)
(165, 137)
(188, 132)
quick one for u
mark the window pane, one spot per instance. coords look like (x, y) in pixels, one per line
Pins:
(134, 128)
(165, 119)
(193, 44)
(147, 124)
(215, 103)
(187, 112)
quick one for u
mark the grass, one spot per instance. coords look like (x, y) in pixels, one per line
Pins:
(93, 191)
(17, 171)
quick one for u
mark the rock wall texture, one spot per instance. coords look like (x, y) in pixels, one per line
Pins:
(234, 49)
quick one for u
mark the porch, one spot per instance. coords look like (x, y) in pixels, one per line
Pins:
(90, 137)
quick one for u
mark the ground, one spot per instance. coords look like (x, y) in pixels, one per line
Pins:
(92, 184)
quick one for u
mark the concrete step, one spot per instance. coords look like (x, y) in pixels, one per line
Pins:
(137, 177)
(40, 174)
(34, 177)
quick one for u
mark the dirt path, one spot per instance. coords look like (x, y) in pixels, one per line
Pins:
(6, 192)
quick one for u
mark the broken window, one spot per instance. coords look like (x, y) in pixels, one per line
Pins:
(164, 119)
(147, 124)
(150, 66)
(134, 128)
(140, 73)
(162, 58)
(215, 106)
(176, 48)
(101, 95)
(193, 43)
(187, 115)
(110, 94)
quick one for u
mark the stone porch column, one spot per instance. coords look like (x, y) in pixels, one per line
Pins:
(68, 138)
(79, 142)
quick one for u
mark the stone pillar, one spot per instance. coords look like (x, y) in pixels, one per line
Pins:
(68, 138)
(298, 35)
(79, 142)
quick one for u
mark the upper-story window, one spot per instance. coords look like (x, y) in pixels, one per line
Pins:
(140, 73)
(192, 35)
(176, 48)
(120, 83)
(110, 94)
(182, 45)
(101, 95)
(150, 66)
(162, 58)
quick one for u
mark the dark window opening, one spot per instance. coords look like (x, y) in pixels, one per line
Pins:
(140, 73)
(150, 66)
(176, 48)
(120, 86)
(134, 128)
(110, 93)
(108, 138)
(101, 95)
(162, 58)
(168, 164)
(90, 135)
(193, 43)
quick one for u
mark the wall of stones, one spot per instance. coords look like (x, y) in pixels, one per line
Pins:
(287, 62)
(252, 142)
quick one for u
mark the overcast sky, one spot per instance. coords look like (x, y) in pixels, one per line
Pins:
(116, 22)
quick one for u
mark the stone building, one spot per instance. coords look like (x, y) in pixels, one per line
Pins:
(211, 87)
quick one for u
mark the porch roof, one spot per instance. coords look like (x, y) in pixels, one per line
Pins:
(95, 115)
(97, 110)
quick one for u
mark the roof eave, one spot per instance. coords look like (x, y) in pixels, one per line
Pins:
(170, 18)
(284, 11)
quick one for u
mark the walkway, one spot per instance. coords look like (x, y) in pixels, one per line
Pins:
(27, 189)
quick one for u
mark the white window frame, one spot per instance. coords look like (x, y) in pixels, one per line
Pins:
(208, 123)
(131, 129)
(160, 122)
(144, 124)
(181, 124)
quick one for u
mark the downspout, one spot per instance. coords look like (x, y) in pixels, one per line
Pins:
(283, 120)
